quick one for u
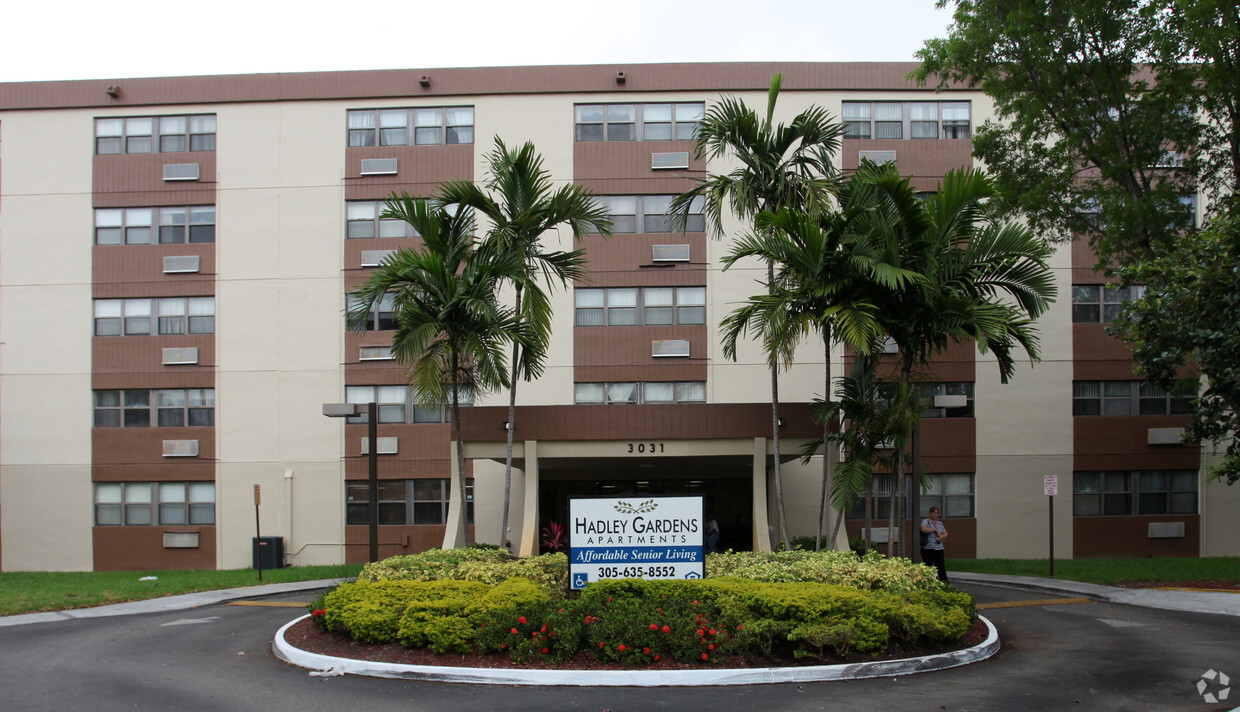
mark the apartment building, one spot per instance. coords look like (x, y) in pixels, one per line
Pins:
(175, 255)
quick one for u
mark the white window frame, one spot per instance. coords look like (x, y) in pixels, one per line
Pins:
(686, 305)
(366, 127)
(128, 132)
(635, 392)
(155, 503)
(195, 314)
(645, 121)
(645, 216)
(867, 119)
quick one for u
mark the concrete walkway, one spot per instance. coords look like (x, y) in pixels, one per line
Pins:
(1217, 603)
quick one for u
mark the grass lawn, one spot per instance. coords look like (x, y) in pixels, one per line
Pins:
(32, 591)
(1109, 571)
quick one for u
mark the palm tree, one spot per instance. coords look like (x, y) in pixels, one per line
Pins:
(982, 279)
(522, 207)
(451, 329)
(781, 167)
(828, 264)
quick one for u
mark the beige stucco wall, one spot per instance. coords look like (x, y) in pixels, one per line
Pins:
(279, 329)
(46, 313)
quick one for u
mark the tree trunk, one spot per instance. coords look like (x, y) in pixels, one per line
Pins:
(867, 535)
(896, 472)
(512, 427)
(826, 446)
(779, 484)
(460, 451)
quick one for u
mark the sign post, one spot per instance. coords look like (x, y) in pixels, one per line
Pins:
(1050, 485)
(655, 538)
(258, 537)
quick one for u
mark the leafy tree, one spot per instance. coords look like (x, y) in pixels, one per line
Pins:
(779, 167)
(982, 279)
(451, 329)
(1188, 321)
(521, 206)
(827, 266)
(1093, 95)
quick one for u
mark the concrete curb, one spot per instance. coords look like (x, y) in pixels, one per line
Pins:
(1222, 603)
(329, 665)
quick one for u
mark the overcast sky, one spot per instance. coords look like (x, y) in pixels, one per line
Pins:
(43, 40)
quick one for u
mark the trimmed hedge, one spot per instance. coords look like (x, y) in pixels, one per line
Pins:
(640, 622)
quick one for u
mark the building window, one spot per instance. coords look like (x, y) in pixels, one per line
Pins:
(640, 214)
(363, 221)
(148, 503)
(1097, 303)
(174, 408)
(403, 502)
(930, 390)
(951, 493)
(636, 306)
(907, 119)
(381, 317)
(144, 317)
(420, 126)
(1121, 398)
(142, 226)
(631, 393)
(621, 122)
(1145, 492)
(155, 134)
(397, 405)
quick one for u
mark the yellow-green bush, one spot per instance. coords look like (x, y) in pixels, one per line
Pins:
(489, 566)
(370, 612)
(842, 568)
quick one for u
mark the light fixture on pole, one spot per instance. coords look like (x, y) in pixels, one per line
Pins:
(371, 410)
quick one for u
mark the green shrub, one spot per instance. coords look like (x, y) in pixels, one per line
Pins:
(484, 565)
(371, 612)
(541, 632)
(872, 572)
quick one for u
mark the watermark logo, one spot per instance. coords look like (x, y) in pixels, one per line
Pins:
(1208, 686)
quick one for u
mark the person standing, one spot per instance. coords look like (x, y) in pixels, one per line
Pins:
(712, 534)
(932, 535)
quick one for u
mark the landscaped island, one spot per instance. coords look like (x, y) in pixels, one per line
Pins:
(800, 606)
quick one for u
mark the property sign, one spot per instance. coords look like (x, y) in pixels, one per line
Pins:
(632, 537)
(1050, 483)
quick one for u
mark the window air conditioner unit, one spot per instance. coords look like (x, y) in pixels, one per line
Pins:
(669, 347)
(669, 253)
(180, 356)
(179, 264)
(879, 157)
(378, 166)
(666, 161)
(374, 258)
(376, 353)
(180, 448)
(951, 401)
(387, 446)
(1165, 436)
(180, 171)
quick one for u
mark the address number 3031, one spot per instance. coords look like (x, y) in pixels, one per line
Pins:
(644, 448)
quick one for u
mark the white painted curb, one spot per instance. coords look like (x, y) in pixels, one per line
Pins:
(634, 678)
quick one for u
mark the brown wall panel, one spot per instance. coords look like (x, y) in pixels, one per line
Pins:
(189, 469)
(961, 544)
(1129, 537)
(414, 441)
(142, 549)
(623, 422)
(144, 446)
(923, 161)
(1096, 355)
(631, 346)
(420, 169)
(366, 85)
(1121, 443)
(355, 274)
(144, 354)
(137, 180)
(393, 540)
(138, 271)
(623, 167)
(626, 260)
(957, 362)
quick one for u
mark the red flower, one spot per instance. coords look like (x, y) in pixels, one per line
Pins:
(620, 647)
(545, 651)
(711, 646)
(654, 626)
(667, 629)
(521, 620)
(514, 631)
(740, 627)
(656, 658)
(601, 644)
(696, 603)
(503, 645)
(705, 656)
(714, 632)
(701, 633)
(645, 651)
(544, 628)
(319, 612)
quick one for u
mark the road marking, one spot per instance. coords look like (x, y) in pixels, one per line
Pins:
(1020, 604)
(271, 604)
(190, 621)
(1121, 624)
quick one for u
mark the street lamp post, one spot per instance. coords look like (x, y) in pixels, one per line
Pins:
(347, 410)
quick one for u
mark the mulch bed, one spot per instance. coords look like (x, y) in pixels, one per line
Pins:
(308, 637)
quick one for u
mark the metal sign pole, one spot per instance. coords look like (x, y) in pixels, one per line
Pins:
(1050, 485)
(258, 537)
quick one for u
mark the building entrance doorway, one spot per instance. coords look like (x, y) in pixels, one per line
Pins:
(727, 494)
